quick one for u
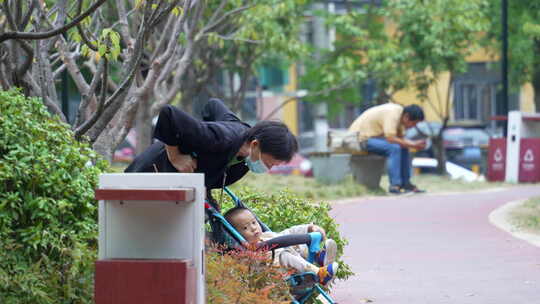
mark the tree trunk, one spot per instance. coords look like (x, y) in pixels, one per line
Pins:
(103, 147)
(439, 153)
(536, 88)
(143, 125)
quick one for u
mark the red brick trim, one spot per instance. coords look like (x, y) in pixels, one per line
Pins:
(179, 195)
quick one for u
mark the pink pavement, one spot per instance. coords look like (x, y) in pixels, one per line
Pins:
(436, 248)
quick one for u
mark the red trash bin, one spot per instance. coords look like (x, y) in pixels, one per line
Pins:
(529, 160)
(496, 160)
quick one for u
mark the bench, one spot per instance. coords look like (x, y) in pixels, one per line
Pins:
(368, 169)
(347, 155)
(333, 167)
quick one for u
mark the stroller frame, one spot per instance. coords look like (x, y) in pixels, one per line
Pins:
(296, 281)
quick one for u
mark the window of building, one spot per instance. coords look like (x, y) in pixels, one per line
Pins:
(475, 94)
(475, 101)
(273, 76)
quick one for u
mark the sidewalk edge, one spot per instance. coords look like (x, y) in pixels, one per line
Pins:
(500, 219)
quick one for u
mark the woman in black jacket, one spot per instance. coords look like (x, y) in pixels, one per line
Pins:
(221, 146)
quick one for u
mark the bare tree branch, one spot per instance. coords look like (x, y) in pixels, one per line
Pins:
(158, 64)
(51, 33)
(217, 12)
(111, 107)
(74, 70)
(123, 21)
(26, 19)
(59, 70)
(164, 37)
(3, 78)
(89, 95)
(230, 37)
(18, 13)
(54, 108)
(9, 16)
(80, 130)
(28, 59)
(111, 85)
(166, 11)
(212, 26)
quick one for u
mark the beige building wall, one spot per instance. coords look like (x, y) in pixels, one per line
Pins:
(290, 110)
(434, 106)
(526, 99)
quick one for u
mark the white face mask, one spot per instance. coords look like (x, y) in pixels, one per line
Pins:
(256, 166)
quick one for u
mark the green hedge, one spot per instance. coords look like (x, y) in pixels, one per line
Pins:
(48, 217)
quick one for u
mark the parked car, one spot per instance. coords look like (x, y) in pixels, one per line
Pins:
(464, 143)
(298, 165)
(125, 152)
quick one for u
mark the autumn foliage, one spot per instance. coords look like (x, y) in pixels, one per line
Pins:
(238, 277)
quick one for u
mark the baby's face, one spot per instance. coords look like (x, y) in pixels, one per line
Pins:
(248, 226)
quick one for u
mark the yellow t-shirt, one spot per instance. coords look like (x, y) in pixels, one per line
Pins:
(379, 121)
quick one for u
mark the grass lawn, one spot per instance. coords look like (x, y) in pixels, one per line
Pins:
(310, 188)
(527, 215)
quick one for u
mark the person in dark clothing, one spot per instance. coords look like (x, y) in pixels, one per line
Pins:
(221, 146)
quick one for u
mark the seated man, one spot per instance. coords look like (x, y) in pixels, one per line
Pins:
(381, 128)
(290, 257)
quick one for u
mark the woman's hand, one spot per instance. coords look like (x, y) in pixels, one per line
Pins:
(184, 163)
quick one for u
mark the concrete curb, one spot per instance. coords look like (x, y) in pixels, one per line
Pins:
(500, 218)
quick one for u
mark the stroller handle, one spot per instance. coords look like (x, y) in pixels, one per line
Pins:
(314, 245)
(312, 240)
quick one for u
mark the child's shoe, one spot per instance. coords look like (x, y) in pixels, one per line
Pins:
(326, 273)
(328, 254)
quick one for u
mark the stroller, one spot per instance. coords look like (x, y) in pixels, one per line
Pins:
(303, 285)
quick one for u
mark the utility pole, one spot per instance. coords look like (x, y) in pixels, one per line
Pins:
(504, 63)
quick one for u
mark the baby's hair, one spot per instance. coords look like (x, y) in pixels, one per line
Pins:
(231, 213)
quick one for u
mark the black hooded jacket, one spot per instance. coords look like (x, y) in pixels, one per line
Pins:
(214, 142)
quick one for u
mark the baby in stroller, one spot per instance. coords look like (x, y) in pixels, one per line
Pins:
(295, 257)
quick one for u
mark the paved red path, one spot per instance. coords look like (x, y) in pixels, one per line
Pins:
(436, 249)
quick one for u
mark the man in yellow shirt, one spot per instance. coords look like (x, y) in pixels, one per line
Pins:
(381, 128)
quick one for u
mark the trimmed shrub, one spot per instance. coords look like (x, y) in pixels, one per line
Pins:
(48, 216)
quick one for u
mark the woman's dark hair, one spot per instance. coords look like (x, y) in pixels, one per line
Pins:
(415, 112)
(275, 139)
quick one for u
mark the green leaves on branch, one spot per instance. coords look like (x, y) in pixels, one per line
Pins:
(403, 44)
(215, 40)
(177, 11)
(107, 46)
(523, 41)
